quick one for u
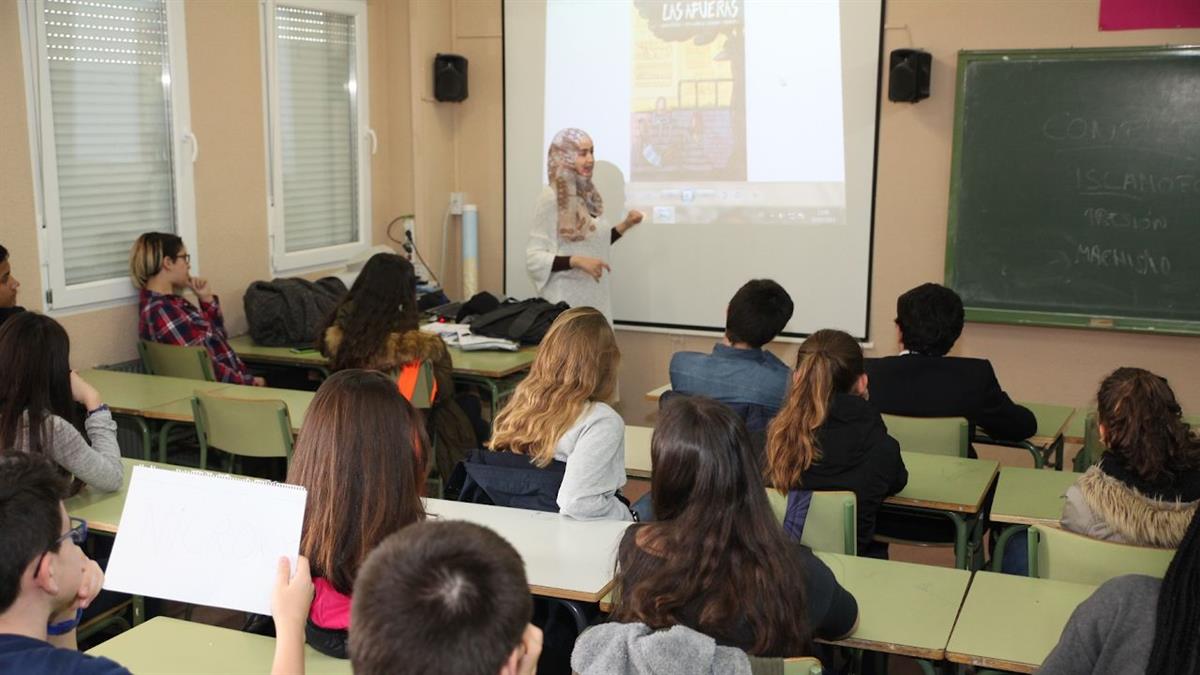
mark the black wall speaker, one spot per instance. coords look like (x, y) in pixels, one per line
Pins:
(449, 77)
(909, 80)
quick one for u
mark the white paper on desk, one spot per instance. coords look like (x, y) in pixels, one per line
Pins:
(204, 538)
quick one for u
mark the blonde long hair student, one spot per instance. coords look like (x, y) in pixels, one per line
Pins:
(828, 436)
(560, 411)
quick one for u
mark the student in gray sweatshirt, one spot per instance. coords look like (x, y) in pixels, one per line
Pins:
(1137, 624)
(38, 397)
(561, 412)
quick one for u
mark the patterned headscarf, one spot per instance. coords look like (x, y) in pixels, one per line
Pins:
(577, 197)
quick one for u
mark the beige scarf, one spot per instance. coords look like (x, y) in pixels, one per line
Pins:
(578, 200)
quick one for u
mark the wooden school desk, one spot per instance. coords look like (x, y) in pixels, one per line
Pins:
(132, 394)
(952, 486)
(1049, 440)
(102, 510)
(637, 451)
(490, 369)
(175, 647)
(1027, 497)
(903, 608)
(564, 558)
(1012, 623)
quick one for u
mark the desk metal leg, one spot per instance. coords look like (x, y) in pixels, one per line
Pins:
(139, 609)
(927, 667)
(498, 389)
(163, 433)
(144, 430)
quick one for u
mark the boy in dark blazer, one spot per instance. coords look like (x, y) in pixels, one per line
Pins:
(923, 382)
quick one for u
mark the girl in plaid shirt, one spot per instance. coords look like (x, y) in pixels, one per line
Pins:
(160, 266)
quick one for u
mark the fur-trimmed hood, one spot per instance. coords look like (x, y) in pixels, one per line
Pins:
(1103, 506)
(402, 348)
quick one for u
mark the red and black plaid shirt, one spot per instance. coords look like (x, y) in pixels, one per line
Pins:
(171, 319)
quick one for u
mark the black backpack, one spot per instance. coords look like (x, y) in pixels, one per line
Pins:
(524, 321)
(289, 312)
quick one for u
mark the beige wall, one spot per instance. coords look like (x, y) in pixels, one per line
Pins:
(1053, 365)
(225, 73)
(427, 149)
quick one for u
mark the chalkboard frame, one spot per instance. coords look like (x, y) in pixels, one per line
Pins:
(1037, 317)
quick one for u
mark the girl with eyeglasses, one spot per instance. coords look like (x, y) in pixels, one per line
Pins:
(160, 267)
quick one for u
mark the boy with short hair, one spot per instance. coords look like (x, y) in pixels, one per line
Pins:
(8, 288)
(923, 382)
(739, 371)
(443, 597)
(46, 579)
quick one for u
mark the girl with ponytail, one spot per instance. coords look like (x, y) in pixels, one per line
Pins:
(1137, 623)
(828, 436)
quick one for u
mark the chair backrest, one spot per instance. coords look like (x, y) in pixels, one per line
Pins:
(832, 523)
(245, 427)
(930, 435)
(1068, 556)
(192, 363)
(417, 384)
(1093, 447)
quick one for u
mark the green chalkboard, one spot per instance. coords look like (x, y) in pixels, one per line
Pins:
(1075, 188)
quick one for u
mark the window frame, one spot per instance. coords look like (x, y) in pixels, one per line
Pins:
(327, 256)
(43, 154)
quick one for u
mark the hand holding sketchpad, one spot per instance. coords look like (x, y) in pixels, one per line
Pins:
(205, 538)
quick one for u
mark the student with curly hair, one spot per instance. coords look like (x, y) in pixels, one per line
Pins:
(1146, 487)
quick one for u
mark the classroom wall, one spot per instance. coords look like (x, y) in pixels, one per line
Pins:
(427, 149)
(1053, 365)
(225, 73)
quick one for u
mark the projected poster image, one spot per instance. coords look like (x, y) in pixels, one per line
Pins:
(727, 125)
(688, 102)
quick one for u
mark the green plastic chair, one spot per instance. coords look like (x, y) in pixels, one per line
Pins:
(1068, 556)
(832, 524)
(421, 395)
(1093, 447)
(931, 435)
(242, 427)
(192, 363)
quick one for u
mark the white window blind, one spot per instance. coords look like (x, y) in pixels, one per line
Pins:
(104, 87)
(320, 209)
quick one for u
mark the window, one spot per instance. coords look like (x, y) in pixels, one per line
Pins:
(319, 141)
(112, 146)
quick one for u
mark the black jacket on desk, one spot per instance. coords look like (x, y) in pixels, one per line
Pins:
(948, 386)
(857, 455)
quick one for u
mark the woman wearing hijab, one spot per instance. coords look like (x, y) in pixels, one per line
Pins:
(567, 255)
